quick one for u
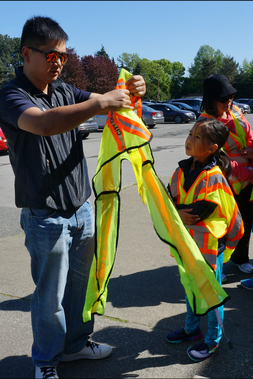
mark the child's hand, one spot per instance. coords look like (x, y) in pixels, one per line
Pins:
(188, 218)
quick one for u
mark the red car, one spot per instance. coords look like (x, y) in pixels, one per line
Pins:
(3, 146)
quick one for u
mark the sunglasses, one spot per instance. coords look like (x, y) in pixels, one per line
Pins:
(225, 99)
(53, 56)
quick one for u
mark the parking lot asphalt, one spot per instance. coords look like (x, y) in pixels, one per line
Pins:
(145, 302)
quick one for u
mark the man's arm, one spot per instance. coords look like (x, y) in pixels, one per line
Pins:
(62, 119)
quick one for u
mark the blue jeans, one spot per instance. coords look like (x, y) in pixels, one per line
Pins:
(61, 246)
(214, 332)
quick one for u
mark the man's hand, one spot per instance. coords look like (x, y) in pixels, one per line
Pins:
(136, 85)
(113, 100)
(187, 218)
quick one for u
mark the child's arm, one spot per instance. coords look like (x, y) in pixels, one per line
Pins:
(193, 213)
(187, 217)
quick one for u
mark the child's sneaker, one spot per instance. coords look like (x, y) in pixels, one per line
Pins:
(181, 335)
(247, 283)
(200, 352)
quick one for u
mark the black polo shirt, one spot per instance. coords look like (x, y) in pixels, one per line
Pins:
(50, 172)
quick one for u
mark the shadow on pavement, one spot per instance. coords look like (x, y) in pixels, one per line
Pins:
(22, 304)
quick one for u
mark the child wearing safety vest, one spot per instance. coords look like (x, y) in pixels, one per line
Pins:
(207, 207)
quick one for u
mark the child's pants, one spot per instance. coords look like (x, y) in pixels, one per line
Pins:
(214, 332)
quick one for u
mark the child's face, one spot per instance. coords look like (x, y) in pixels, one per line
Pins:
(196, 145)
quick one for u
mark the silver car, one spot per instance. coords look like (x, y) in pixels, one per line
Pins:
(245, 108)
(150, 117)
(88, 127)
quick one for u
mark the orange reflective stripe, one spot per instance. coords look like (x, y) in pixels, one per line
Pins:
(211, 186)
(117, 133)
(227, 146)
(121, 84)
(203, 290)
(133, 127)
(205, 115)
(136, 103)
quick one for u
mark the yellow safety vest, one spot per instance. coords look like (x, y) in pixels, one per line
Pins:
(235, 142)
(226, 219)
(126, 137)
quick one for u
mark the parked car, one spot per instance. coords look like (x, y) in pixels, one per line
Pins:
(173, 113)
(246, 101)
(195, 102)
(148, 101)
(187, 107)
(101, 120)
(243, 107)
(88, 127)
(150, 117)
(3, 142)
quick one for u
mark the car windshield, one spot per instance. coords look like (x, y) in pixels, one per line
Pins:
(147, 109)
(196, 103)
(173, 107)
(184, 105)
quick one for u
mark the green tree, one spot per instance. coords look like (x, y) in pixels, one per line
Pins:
(243, 80)
(218, 57)
(177, 79)
(229, 68)
(101, 52)
(137, 69)
(157, 80)
(128, 61)
(208, 67)
(10, 57)
(206, 62)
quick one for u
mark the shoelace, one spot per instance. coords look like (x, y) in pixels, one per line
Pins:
(48, 372)
(92, 345)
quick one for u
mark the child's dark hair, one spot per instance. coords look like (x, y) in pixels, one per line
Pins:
(37, 31)
(215, 132)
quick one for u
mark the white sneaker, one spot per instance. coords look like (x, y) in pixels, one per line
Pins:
(46, 373)
(92, 350)
(246, 267)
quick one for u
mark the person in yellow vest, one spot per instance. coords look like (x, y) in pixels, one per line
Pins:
(208, 209)
(217, 103)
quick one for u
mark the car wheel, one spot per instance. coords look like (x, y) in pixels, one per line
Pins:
(85, 135)
(178, 119)
(151, 126)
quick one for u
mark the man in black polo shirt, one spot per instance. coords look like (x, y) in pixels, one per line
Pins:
(39, 115)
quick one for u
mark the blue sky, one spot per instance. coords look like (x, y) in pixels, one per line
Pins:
(172, 30)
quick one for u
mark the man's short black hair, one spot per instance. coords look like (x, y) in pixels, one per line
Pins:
(38, 30)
